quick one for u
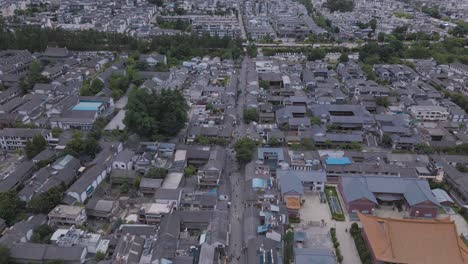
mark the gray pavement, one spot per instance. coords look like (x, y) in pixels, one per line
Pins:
(235, 179)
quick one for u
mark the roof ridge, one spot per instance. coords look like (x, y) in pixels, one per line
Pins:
(387, 231)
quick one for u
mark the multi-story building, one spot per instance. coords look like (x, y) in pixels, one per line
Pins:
(429, 112)
(16, 138)
(210, 174)
(67, 215)
(216, 26)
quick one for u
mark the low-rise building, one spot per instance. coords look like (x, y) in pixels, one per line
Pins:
(67, 215)
(392, 240)
(16, 138)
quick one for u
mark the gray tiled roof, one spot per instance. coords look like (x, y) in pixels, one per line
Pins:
(415, 191)
(303, 176)
(290, 184)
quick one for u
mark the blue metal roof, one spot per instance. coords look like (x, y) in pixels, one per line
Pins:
(258, 183)
(338, 161)
(87, 106)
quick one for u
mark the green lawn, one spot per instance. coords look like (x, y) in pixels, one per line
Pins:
(331, 194)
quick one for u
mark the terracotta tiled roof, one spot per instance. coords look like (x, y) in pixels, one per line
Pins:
(293, 202)
(414, 241)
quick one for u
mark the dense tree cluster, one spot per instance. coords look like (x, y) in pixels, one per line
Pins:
(460, 30)
(156, 2)
(156, 114)
(431, 11)
(34, 76)
(446, 51)
(87, 146)
(46, 201)
(178, 24)
(251, 115)
(371, 24)
(35, 146)
(156, 173)
(42, 234)
(10, 206)
(179, 47)
(244, 148)
(5, 255)
(252, 50)
(82, 146)
(91, 87)
(340, 5)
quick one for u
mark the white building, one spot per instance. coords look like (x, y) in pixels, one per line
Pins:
(429, 112)
(67, 215)
(16, 138)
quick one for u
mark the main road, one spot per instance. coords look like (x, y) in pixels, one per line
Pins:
(236, 178)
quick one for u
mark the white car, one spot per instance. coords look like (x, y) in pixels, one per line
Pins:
(223, 197)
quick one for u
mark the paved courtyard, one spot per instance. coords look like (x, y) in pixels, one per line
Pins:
(313, 210)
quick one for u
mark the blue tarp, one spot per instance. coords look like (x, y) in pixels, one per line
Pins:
(262, 229)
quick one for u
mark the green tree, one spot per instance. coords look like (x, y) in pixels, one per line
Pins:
(82, 146)
(423, 149)
(10, 206)
(288, 242)
(244, 148)
(96, 86)
(5, 255)
(315, 54)
(190, 170)
(251, 115)
(273, 142)
(381, 37)
(343, 57)
(264, 84)
(35, 146)
(156, 173)
(382, 101)
(252, 50)
(307, 144)
(373, 24)
(119, 84)
(387, 140)
(34, 76)
(315, 121)
(42, 234)
(340, 5)
(137, 182)
(46, 201)
(124, 187)
(460, 30)
(151, 114)
(156, 2)
(100, 256)
(431, 11)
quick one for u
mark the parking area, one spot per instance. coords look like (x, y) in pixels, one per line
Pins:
(315, 211)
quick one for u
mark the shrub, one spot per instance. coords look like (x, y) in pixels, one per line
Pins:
(336, 245)
(361, 247)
